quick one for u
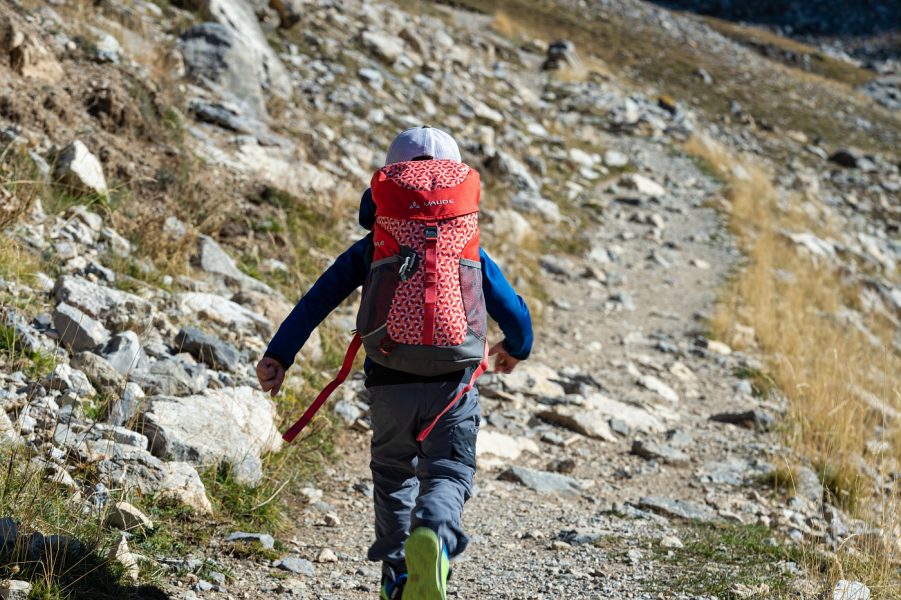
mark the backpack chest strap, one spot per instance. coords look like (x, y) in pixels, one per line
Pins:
(430, 275)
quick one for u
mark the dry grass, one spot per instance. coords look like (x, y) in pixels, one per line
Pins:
(826, 368)
(505, 26)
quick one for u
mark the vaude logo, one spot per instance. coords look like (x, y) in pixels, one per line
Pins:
(431, 203)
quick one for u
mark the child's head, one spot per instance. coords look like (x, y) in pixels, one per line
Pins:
(422, 143)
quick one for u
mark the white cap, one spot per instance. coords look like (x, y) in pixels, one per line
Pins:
(422, 141)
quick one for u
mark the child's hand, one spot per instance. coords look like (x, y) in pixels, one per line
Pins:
(504, 363)
(271, 375)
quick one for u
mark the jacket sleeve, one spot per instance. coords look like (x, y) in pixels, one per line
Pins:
(346, 274)
(507, 308)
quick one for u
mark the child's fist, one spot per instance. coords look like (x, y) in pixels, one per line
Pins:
(504, 363)
(271, 375)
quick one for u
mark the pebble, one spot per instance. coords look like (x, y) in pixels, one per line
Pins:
(327, 556)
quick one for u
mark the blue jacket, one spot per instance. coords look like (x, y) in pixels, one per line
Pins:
(349, 272)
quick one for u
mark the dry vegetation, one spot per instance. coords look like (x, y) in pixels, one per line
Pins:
(787, 98)
(826, 368)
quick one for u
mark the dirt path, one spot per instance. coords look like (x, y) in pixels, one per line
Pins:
(596, 542)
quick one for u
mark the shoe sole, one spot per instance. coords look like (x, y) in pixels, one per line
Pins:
(423, 557)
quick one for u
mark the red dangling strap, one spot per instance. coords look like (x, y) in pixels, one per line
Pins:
(483, 366)
(325, 393)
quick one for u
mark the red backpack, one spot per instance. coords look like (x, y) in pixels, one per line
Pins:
(422, 310)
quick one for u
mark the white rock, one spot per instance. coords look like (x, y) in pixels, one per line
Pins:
(643, 185)
(114, 308)
(582, 158)
(850, 590)
(509, 225)
(122, 554)
(719, 348)
(223, 312)
(700, 263)
(483, 111)
(65, 378)
(671, 541)
(127, 407)
(127, 517)
(682, 372)
(214, 260)
(591, 423)
(533, 379)
(238, 16)
(635, 417)
(181, 482)
(81, 169)
(125, 353)
(615, 159)
(327, 556)
(15, 589)
(497, 444)
(8, 433)
(655, 385)
(386, 47)
(77, 331)
(228, 424)
(532, 203)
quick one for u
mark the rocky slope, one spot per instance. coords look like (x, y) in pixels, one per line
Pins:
(190, 168)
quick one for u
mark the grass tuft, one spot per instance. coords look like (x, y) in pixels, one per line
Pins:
(724, 560)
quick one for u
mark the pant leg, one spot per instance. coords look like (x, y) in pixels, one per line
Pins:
(447, 464)
(394, 450)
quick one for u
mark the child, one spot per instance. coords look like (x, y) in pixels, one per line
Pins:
(419, 487)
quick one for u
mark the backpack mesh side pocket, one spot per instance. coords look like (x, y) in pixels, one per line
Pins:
(378, 293)
(473, 297)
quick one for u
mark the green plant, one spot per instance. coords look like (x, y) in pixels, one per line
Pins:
(74, 565)
(721, 559)
(35, 364)
(762, 384)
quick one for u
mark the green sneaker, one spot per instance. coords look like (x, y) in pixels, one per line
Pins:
(427, 566)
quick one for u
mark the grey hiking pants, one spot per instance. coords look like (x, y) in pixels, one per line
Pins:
(420, 484)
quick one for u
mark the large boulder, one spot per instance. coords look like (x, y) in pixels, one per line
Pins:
(125, 353)
(65, 378)
(138, 470)
(587, 422)
(533, 379)
(233, 52)
(223, 312)
(208, 349)
(214, 55)
(175, 376)
(78, 331)
(227, 425)
(544, 481)
(100, 372)
(212, 259)
(116, 309)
